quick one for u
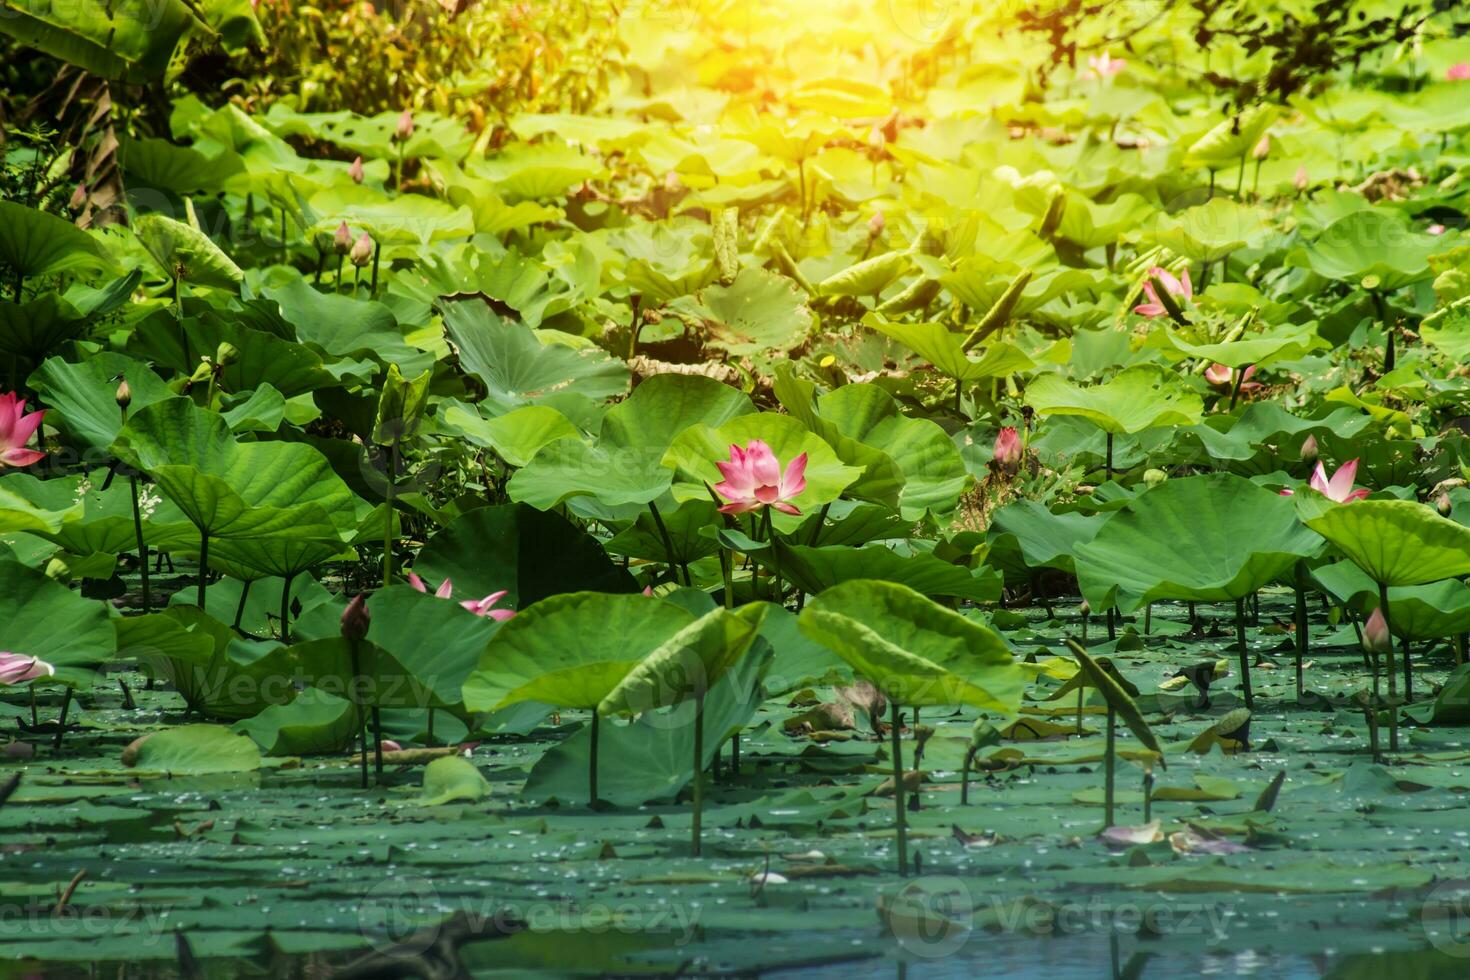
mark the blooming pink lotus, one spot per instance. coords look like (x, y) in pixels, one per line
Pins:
(17, 668)
(1339, 487)
(1104, 65)
(1174, 287)
(16, 429)
(1008, 449)
(1458, 72)
(480, 607)
(753, 479)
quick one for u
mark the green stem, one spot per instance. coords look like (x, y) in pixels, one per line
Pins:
(142, 547)
(1301, 623)
(377, 253)
(285, 609)
(592, 763)
(240, 606)
(1110, 763)
(663, 532)
(698, 772)
(896, 751)
(377, 745)
(357, 704)
(1108, 463)
(727, 570)
(388, 519)
(203, 565)
(1245, 658)
(61, 721)
(1393, 710)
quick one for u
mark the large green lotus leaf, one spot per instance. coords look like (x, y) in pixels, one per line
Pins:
(1448, 331)
(33, 243)
(570, 650)
(330, 663)
(536, 171)
(651, 759)
(437, 640)
(313, 723)
(642, 539)
(517, 436)
(1212, 538)
(37, 327)
(1044, 539)
(1136, 399)
(1211, 231)
(913, 649)
(881, 480)
(197, 749)
(530, 554)
(934, 475)
(1287, 343)
(372, 137)
(1397, 542)
(185, 253)
(83, 395)
(665, 260)
(1267, 423)
(760, 311)
(218, 482)
(159, 164)
(343, 326)
(43, 618)
(697, 449)
(401, 220)
(1373, 243)
(517, 368)
(626, 465)
(18, 512)
(1230, 140)
(453, 779)
(816, 569)
(269, 551)
(944, 349)
(687, 665)
(262, 358)
(93, 520)
(1416, 612)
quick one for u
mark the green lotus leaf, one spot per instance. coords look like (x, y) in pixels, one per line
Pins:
(1373, 243)
(528, 553)
(167, 166)
(1264, 424)
(944, 349)
(131, 40)
(1416, 612)
(261, 358)
(518, 368)
(913, 649)
(1396, 542)
(571, 650)
(687, 665)
(438, 641)
(87, 519)
(1136, 399)
(195, 750)
(34, 243)
(407, 219)
(84, 394)
(517, 436)
(815, 569)
(43, 618)
(697, 449)
(1281, 344)
(453, 779)
(1043, 538)
(1448, 331)
(535, 171)
(760, 311)
(346, 327)
(19, 513)
(1207, 538)
(1211, 231)
(186, 254)
(627, 465)
(37, 327)
(331, 664)
(1232, 138)
(313, 723)
(643, 539)
(866, 278)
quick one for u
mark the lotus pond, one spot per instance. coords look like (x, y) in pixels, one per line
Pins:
(733, 488)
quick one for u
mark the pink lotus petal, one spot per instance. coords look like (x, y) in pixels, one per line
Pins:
(763, 465)
(1341, 483)
(17, 668)
(793, 481)
(417, 582)
(445, 590)
(786, 508)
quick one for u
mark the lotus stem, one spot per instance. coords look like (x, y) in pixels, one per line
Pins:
(727, 571)
(388, 520)
(357, 703)
(1460, 648)
(240, 606)
(1108, 460)
(61, 720)
(1301, 623)
(1371, 714)
(1110, 765)
(142, 545)
(896, 722)
(377, 253)
(735, 755)
(592, 763)
(1408, 675)
(1148, 794)
(1393, 710)
(1080, 692)
(698, 773)
(203, 565)
(965, 777)
(1112, 624)
(1148, 619)
(285, 607)
(663, 532)
(1245, 657)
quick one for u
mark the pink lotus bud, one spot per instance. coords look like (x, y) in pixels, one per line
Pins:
(1435, 229)
(1458, 72)
(356, 620)
(1262, 149)
(388, 745)
(1008, 449)
(1300, 180)
(1444, 504)
(1375, 633)
(342, 239)
(876, 224)
(405, 126)
(355, 171)
(1309, 449)
(362, 250)
(1218, 374)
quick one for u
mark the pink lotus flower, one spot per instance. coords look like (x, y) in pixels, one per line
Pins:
(480, 607)
(1222, 376)
(1262, 149)
(16, 668)
(1172, 286)
(362, 250)
(342, 239)
(1309, 449)
(1008, 449)
(1458, 72)
(355, 171)
(1339, 487)
(1375, 632)
(404, 129)
(1104, 65)
(753, 479)
(16, 429)
(356, 619)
